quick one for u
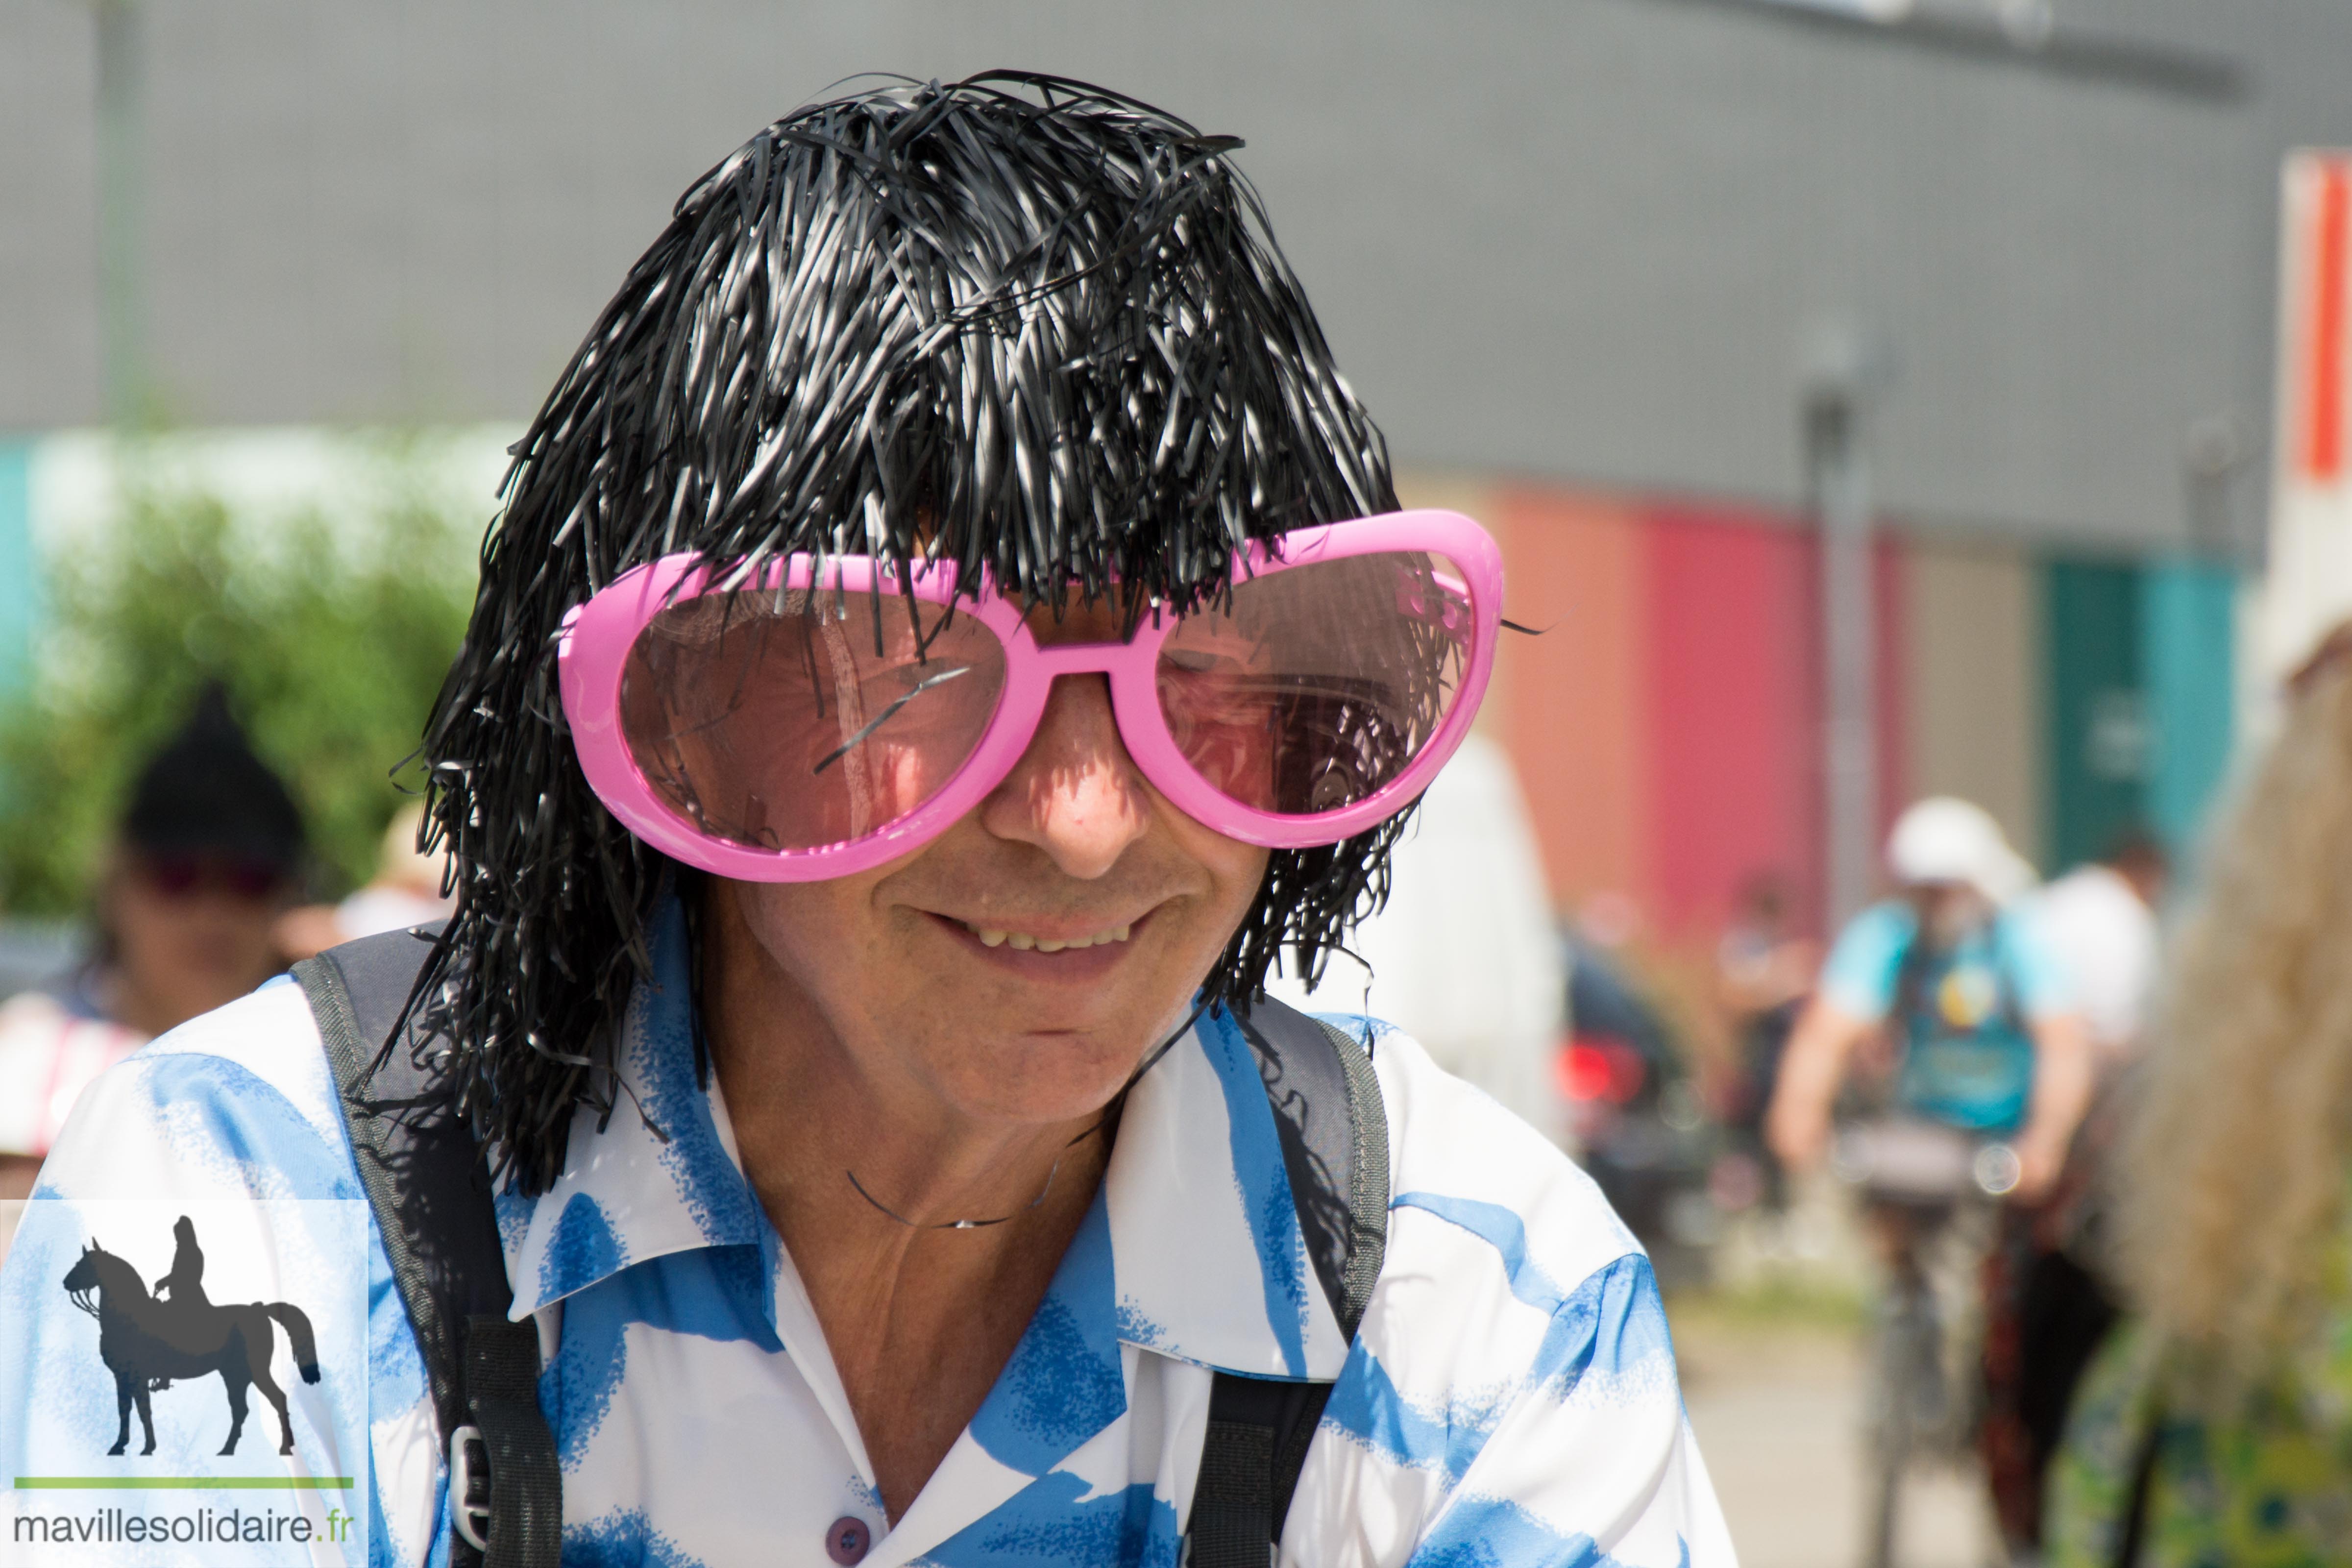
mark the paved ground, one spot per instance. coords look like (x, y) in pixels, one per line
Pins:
(1777, 1406)
(1772, 1374)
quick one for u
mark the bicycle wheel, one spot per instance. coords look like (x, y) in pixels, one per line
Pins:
(1904, 1381)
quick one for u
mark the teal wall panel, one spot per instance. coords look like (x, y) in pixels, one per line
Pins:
(2188, 646)
(2102, 743)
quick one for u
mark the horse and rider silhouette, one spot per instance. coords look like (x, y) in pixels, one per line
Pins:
(148, 1341)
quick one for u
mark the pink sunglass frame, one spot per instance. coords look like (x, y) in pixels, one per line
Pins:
(593, 650)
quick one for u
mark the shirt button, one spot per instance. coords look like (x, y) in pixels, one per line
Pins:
(847, 1541)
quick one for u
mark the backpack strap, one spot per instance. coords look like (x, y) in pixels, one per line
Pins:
(1911, 986)
(1333, 1130)
(425, 1182)
(1912, 1005)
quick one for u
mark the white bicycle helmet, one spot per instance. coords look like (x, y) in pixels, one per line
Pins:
(1945, 839)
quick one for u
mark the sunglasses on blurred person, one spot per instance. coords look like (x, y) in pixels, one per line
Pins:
(188, 875)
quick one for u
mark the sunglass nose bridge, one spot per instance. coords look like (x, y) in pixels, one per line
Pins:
(1057, 659)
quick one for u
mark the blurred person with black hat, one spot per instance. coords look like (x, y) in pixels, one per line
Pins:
(207, 856)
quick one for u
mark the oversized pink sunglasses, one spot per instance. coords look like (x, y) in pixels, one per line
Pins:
(814, 722)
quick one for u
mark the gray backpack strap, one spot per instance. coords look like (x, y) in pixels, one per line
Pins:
(425, 1182)
(1334, 1133)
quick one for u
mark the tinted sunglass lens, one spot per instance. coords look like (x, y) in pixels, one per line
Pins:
(182, 876)
(174, 875)
(797, 720)
(252, 878)
(1315, 686)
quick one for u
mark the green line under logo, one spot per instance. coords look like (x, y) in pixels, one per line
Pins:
(184, 1483)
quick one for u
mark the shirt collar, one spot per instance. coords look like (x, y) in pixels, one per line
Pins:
(1209, 1261)
(1194, 1251)
(656, 1177)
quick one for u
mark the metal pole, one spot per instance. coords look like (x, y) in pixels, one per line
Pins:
(1840, 467)
(121, 293)
(2213, 454)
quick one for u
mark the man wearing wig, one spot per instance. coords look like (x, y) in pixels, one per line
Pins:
(950, 629)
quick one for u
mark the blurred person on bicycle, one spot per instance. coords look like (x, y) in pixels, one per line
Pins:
(1980, 1012)
(2215, 1426)
(1992, 1074)
(206, 858)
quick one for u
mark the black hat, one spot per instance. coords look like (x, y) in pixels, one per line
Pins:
(207, 792)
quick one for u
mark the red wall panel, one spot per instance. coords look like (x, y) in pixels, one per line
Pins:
(1668, 726)
(1735, 706)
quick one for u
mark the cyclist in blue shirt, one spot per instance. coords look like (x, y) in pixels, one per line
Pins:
(1980, 1010)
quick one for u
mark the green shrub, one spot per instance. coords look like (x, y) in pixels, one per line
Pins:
(331, 633)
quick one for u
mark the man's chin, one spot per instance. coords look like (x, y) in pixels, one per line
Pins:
(1027, 1075)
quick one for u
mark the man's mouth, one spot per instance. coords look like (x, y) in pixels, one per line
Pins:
(1024, 942)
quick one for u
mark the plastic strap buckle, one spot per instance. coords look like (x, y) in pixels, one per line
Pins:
(464, 1476)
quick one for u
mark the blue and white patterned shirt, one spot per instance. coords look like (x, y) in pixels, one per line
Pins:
(1511, 1398)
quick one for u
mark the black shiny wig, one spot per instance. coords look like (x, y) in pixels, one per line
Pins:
(1014, 320)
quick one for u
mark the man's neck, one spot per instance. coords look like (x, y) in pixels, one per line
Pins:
(919, 1317)
(816, 1122)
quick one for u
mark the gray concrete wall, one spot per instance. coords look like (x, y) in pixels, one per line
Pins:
(1578, 239)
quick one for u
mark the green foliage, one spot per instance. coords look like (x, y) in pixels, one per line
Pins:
(332, 635)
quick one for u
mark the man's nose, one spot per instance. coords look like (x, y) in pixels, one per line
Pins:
(1076, 792)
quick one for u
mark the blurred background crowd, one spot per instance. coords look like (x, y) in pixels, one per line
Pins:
(1911, 870)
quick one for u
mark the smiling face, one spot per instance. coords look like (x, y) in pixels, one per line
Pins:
(1016, 968)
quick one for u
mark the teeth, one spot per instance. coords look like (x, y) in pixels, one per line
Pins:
(1021, 941)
